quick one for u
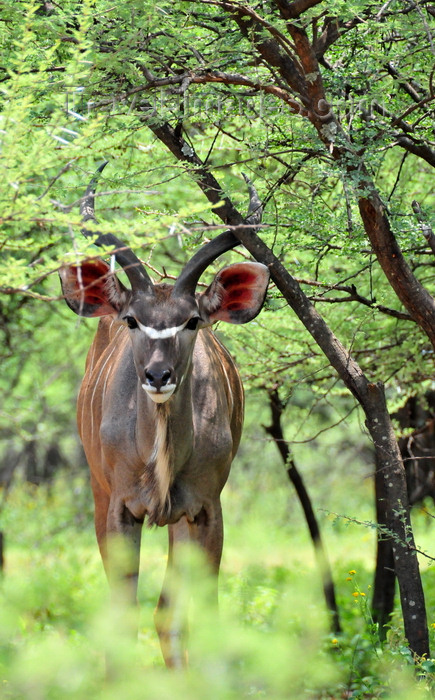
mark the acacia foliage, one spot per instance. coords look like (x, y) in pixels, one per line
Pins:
(87, 80)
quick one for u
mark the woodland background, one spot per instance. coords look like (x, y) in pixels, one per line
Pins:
(328, 108)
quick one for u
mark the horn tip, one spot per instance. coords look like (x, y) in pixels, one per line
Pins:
(102, 166)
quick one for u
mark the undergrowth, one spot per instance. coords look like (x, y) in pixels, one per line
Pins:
(61, 638)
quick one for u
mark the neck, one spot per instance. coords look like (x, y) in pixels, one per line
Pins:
(166, 430)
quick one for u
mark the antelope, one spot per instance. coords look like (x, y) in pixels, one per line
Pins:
(160, 408)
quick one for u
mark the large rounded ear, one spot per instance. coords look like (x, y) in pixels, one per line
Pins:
(236, 294)
(91, 289)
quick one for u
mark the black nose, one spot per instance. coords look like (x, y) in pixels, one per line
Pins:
(158, 377)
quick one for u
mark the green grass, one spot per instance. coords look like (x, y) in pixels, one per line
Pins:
(60, 638)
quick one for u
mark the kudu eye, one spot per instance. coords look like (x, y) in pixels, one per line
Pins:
(131, 322)
(192, 324)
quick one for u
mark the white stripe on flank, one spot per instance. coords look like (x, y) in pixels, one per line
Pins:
(97, 382)
(90, 371)
(230, 390)
(91, 359)
(163, 333)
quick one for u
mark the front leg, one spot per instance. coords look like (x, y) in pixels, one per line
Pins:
(205, 531)
(123, 538)
(171, 611)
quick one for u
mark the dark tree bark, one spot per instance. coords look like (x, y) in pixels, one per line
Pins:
(391, 482)
(31, 463)
(385, 576)
(416, 299)
(276, 432)
(418, 455)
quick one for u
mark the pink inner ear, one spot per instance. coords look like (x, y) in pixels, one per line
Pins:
(239, 288)
(92, 283)
(88, 284)
(237, 292)
(237, 298)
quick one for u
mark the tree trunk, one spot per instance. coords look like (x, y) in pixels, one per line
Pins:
(385, 576)
(418, 455)
(392, 474)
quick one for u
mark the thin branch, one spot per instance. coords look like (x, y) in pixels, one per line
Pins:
(405, 84)
(380, 528)
(399, 172)
(56, 177)
(354, 296)
(209, 76)
(66, 208)
(412, 108)
(275, 430)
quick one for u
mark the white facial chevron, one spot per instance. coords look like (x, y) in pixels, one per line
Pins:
(163, 333)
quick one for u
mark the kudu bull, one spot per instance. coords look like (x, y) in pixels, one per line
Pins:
(160, 409)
